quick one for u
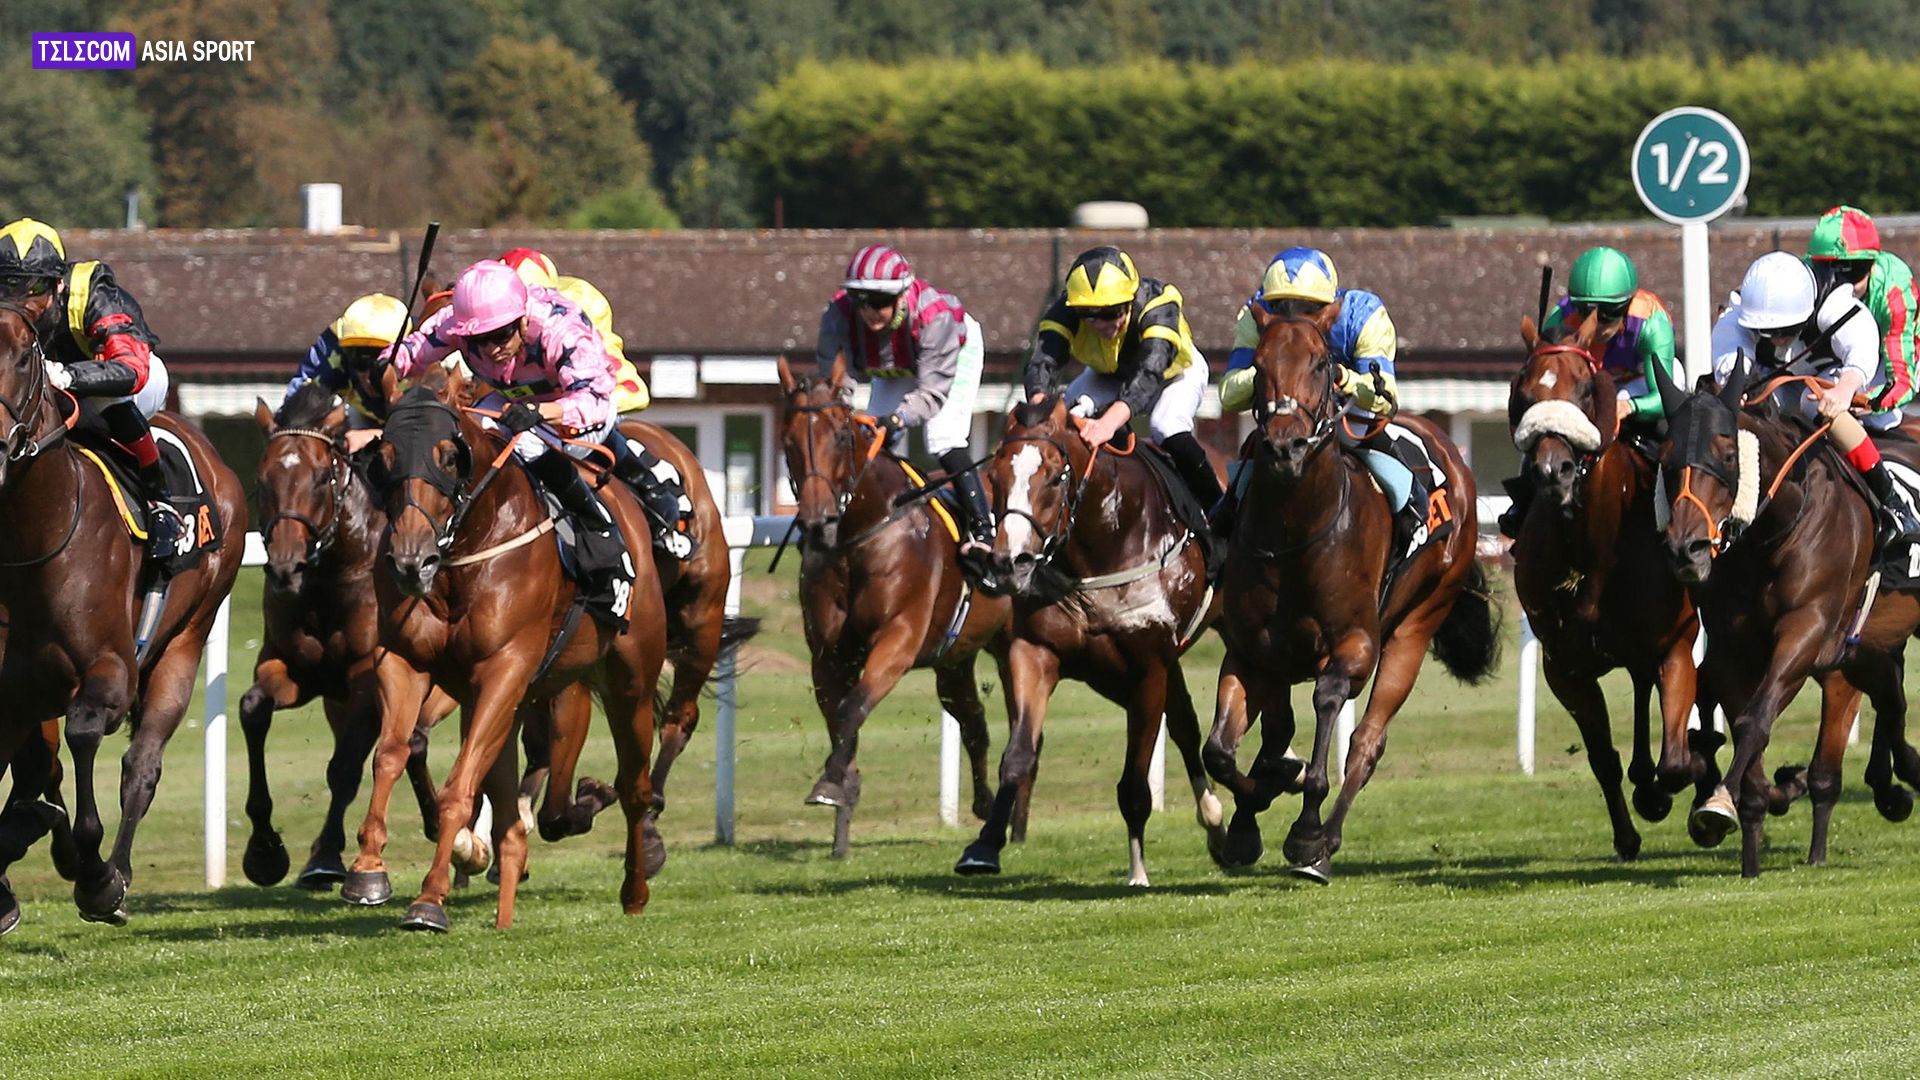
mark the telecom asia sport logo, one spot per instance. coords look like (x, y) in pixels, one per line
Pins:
(106, 51)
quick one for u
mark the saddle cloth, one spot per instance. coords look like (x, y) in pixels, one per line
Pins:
(204, 530)
(943, 504)
(1900, 563)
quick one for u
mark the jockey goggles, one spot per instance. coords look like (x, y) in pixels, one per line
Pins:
(21, 285)
(872, 299)
(495, 337)
(1110, 313)
(1611, 312)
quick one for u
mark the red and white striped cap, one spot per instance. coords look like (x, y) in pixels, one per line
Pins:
(879, 268)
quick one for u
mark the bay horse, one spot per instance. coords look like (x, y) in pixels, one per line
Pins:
(321, 628)
(1591, 573)
(1309, 598)
(1776, 545)
(880, 589)
(1109, 587)
(472, 596)
(71, 579)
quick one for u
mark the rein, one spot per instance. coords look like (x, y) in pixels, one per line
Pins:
(842, 436)
(25, 416)
(1056, 540)
(319, 540)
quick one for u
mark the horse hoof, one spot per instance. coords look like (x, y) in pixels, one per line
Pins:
(104, 903)
(1303, 849)
(10, 917)
(827, 793)
(1319, 871)
(425, 915)
(653, 848)
(1712, 820)
(321, 873)
(471, 851)
(366, 888)
(978, 860)
(1651, 803)
(1242, 848)
(1894, 802)
(265, 861)
(1627, 848)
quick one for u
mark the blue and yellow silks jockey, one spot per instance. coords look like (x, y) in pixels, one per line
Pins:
(1301, 282)
(344, 355)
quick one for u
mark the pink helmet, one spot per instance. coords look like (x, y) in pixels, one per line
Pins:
(487, 296)
(879, 268)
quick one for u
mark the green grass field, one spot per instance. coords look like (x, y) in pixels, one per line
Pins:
(1476, 925)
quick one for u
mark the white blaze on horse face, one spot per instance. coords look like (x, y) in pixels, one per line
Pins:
(1019, 527)
(1548, 380)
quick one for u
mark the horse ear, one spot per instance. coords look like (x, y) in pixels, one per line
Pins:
(1734, 393)
(1262, 318)
(263, 415)
(1671, 396)
(1324, 318)
(837, 375)
(1529, 333)
(787, 381)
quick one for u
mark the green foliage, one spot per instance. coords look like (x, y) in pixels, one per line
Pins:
(637, 206)
(73, 145)
(1012, 142)
(406, 47)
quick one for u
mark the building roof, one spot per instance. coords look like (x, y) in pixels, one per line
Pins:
(1452, 293)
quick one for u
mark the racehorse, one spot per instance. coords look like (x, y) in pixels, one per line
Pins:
(1776, 544)
(881, 589)
(321, 528)
(1109, 587)
(1309, 597)
(1591, 573)
(71, 580)
(471, 599)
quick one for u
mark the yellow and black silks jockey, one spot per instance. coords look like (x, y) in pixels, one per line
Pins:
(344, 356)
(1139, 354)
(98, 345)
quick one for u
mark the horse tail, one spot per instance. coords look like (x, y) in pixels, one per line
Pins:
(1468, 642)
(738, 629)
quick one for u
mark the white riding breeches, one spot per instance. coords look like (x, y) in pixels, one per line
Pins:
(1171, 415)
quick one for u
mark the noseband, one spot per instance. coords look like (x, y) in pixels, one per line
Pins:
(319, 539)
(1326, 413)
(843, 437)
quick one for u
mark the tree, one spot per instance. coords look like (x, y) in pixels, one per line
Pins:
(74, 145)
(405, 47)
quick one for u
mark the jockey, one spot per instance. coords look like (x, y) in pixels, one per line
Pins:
(923, 354)
(105, 351)
(1604, 285)
(1139, 354)
(1845, 251)
(344, 355)
(1302, 281)
(660, 486)
(1772, 321)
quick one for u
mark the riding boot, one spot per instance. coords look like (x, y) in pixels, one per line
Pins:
(129, 428)
(974, 508)
(1190, 459)
(606, 571)
(1898, 524)
(1520, 493)
(661, 491)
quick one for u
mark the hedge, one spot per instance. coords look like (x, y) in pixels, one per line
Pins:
(1006, 142)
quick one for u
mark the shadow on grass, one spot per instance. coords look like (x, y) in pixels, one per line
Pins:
(810, 850)
(1023, 888)
(275, 912)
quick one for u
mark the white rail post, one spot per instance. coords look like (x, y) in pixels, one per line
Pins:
(1157, 769)
(949, 769)
(215, 785)
(1529, 691)
(1342, 742)
(726, 700)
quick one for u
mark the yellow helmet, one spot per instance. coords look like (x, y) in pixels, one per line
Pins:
(1102, 278)
(373, 320)
(30, 248)
(1300, 273)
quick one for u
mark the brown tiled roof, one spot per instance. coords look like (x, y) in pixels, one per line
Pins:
(1451, 292)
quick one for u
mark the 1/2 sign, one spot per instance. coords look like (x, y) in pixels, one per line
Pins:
(1690, 165)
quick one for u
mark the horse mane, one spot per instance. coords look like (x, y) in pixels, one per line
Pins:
(308, 406)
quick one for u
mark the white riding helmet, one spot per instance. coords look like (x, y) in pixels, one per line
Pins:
(1777, 292)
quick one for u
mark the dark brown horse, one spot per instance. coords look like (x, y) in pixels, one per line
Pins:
(1776, 545)
(1591, 573)
(1308, 597)
(1109, 587)
(71, 581)
(472, 596)
(321, 623)
(880, 589)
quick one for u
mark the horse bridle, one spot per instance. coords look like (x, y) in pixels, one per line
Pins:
(24, 416)
(455, 488)
(1584, 460)
(1326, 413)
(319, 539)
(842, 437)
(1053, 540)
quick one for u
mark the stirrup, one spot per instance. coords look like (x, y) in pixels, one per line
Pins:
(165, 527)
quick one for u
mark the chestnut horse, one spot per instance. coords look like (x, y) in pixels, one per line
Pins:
(880, 589)
(321, 625)
(1591, 574)
(473, 596)
(71, 581)
(1109, 587)
(1309, 598)
(1776, 544)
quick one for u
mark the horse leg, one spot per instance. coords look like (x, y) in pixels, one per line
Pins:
(266, 860)
(1035, 671)
(438, 707)
(1135, 793)
(564, 813)
(1392, 682)
(509, 833)
(106, 691)
(1839, 703)
(1800, 635)
(1231, 718)
(692, 667)
(1583, 698)
(961, 699)
(354, 725)
(1905, 759)
(889, 657)
(163, 702)
(1183, 727)
(1024, 796)
(25, 818)
(629, 706)
(1822, 778)
(498, 684)
(66, 858)
(1306, 845)
(1653, 803)
(1679, 684)
(403, 691)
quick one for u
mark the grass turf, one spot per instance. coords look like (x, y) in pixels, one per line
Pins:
(1476, 925)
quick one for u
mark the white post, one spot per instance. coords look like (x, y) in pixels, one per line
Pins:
(1698, 301)
(215, 785)
(1342, 742)
(726, 698)
(949, 769)
(1853, 733)
(1529, 692)
(1157, 770)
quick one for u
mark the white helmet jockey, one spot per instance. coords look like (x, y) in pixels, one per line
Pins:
(1777, 294)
